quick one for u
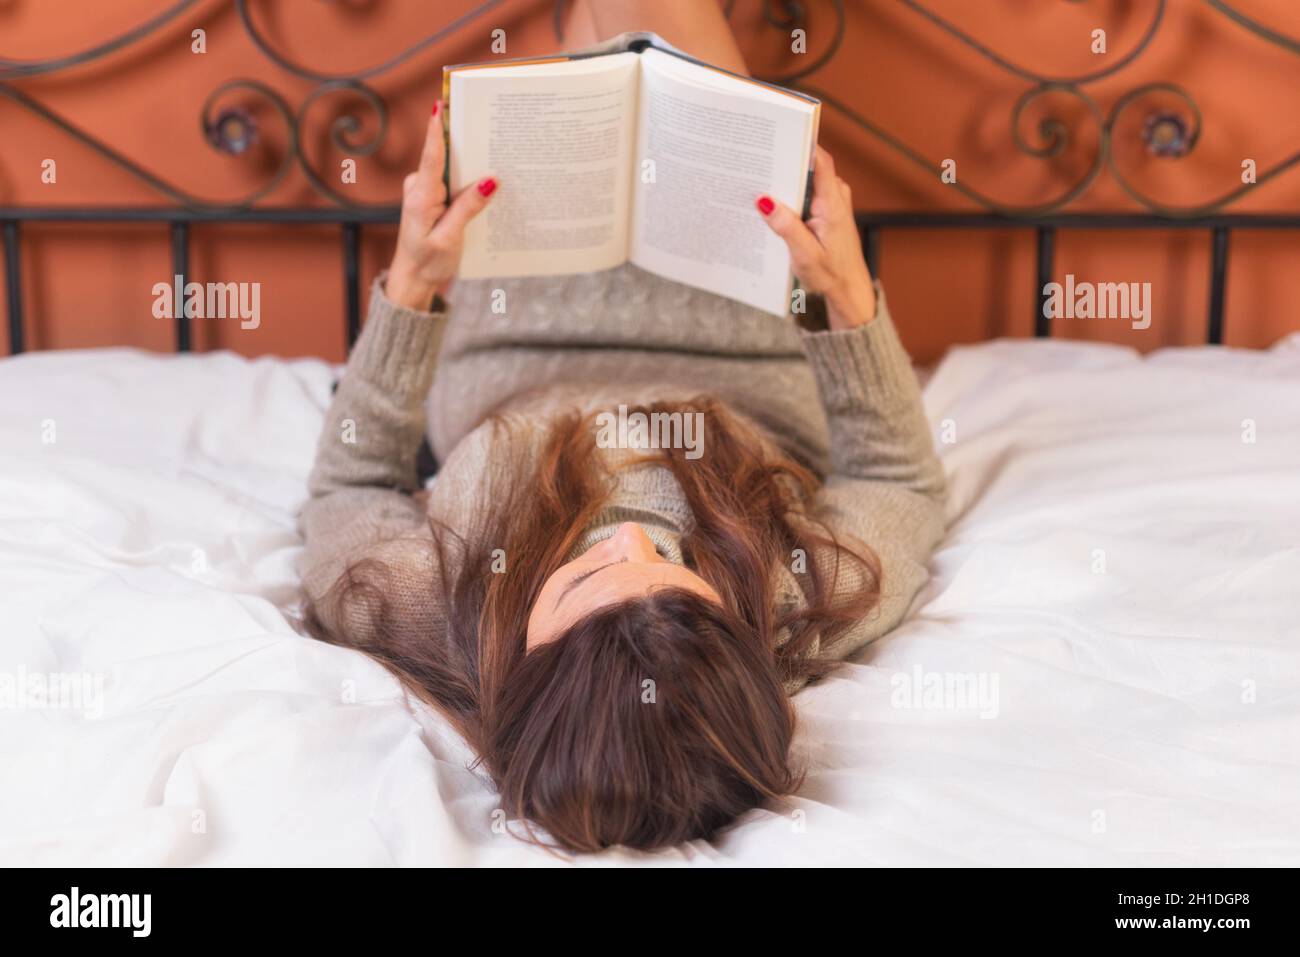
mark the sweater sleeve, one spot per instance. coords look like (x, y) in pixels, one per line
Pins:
(360, 503)
(885, 489)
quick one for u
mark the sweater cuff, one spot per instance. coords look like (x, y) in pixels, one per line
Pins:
(398, 346)
(863, 367)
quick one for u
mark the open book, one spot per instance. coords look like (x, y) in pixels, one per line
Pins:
(630, 151)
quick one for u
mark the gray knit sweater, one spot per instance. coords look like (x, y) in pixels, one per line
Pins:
(844, 402)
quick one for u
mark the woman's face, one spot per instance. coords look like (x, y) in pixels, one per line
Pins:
(625, 566)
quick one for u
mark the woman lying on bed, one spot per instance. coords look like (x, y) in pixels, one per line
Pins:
(616, 631)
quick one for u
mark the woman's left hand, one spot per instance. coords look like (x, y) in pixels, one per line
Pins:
(431, 232)
(826, 252)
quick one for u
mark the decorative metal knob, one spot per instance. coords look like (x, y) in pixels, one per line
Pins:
(233, 131)
(1167, 134)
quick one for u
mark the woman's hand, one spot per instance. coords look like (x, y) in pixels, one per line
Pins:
(429, 237)
(826, 252)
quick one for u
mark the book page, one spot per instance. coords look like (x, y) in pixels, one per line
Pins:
(559, 139)
(716, 146)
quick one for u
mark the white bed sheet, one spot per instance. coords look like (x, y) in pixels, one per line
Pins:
(1119, 560)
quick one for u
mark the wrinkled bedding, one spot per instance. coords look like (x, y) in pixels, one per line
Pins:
(1104, 670)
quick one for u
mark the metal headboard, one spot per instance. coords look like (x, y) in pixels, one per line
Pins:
(1173, 134)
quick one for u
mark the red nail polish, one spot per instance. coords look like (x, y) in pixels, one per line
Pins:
(488, 186)
(437, 104)
(765, 205)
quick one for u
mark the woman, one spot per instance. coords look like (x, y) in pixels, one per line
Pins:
(616, 632)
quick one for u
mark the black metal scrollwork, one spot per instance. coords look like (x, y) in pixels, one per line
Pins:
(1054, 133)
(166, 188)
(217, 127)
(268, 51)
(342, 133)
(21, 68)
(235, 128)
(793, 14)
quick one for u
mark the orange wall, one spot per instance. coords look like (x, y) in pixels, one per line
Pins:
(91, 286)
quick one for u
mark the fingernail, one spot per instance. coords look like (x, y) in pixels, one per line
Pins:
(488, 186)
(765, 205)
(436, 105)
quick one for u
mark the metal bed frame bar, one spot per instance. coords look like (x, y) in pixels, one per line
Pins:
(870, 224)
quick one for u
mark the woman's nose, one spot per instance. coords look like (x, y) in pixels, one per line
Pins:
(634, 544)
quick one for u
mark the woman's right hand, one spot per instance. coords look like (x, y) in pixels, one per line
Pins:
(430, 234)
(826, 252)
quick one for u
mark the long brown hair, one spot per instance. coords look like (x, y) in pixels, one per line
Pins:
(655, 720)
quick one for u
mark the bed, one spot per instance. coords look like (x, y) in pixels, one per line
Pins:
(1104, 670)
